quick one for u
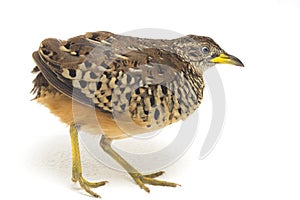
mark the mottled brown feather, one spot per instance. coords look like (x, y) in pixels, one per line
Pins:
(70, 76)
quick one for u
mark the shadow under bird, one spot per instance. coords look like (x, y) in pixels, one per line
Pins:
(119, 86)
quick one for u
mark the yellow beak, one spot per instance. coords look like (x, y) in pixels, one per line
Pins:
(227, 59)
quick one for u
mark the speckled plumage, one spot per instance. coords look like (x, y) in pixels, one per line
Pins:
(121, 74)
(117, 86)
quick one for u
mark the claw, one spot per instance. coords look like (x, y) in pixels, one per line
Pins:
(86, 185)
(93, 184)
(154, 175)
(141, 180)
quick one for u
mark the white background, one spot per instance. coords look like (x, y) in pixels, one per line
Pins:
(258, 155)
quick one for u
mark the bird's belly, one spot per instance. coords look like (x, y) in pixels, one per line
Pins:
(87, 119)
(90, 120)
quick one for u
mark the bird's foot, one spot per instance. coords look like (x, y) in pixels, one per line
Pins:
(141, 180)
(86, 185)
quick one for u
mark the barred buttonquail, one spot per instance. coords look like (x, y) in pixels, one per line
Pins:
(118, 86)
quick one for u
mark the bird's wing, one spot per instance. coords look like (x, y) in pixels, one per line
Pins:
(55, 58)
(89, 70)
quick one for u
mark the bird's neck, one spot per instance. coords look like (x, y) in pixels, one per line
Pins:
(194, 72)
(195, 79)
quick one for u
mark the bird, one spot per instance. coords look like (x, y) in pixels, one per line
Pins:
(119, 86)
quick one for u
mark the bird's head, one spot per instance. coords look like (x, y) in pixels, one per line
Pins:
(203, 52)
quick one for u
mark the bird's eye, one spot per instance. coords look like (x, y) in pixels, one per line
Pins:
(205, 50)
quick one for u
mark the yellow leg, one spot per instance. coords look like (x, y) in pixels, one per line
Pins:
(76, 166)
(140, 179)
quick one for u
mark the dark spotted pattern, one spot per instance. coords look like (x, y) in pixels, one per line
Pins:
(144, 78)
